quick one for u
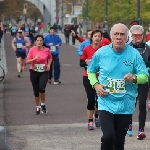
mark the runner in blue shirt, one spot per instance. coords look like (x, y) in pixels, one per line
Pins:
(19, 46)
(13, 30)
(120, 68)
(84, 44)
(53, 41)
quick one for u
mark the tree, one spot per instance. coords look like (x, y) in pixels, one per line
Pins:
(123, 11)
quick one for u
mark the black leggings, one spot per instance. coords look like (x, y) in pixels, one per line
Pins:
(114, 128)
(91, 94)
(142, 97)
(67, 39)
(39, 81)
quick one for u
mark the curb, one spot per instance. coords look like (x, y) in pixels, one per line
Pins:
(3, 128)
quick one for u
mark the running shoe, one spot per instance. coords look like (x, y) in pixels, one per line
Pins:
(141, 135)
(37, 111)
(57, 82)
(43, 109)
(90, 126)
(97, 122)
(148, 106)
(129, 132)
(50, 81)
(19, 75)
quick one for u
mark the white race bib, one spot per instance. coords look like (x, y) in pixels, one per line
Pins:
(52, 48)
(39, 67)
(19, 45)
(116, 86)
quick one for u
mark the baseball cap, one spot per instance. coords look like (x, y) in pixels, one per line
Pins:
(135, 22)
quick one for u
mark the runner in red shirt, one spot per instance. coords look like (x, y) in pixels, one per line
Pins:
(88, 52)
(147, 37)
(105, 41)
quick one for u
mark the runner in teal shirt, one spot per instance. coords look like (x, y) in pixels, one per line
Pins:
(113, 66)
(120, 68)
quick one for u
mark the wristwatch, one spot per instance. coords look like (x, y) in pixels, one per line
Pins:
(134, 79)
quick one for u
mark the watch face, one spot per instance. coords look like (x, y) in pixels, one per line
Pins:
(134, 77)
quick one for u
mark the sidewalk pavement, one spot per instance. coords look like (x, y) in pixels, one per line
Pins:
(67, 137)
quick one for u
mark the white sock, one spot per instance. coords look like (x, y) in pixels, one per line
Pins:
(38, 106)
(42, 104)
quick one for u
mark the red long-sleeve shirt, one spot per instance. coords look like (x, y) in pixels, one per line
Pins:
(89, 51)
(147, 37)
(104, 41)
(80, 39)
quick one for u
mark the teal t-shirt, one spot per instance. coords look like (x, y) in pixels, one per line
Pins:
(112, 67)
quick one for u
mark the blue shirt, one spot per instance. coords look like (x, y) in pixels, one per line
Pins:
(148, 43)
(82, 46)
(55, 39)
(19, 44)
(27, 29)
(13, 29)
(115, 65)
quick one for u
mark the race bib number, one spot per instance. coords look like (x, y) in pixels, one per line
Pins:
(116, 86)
(19, 45)
(52, 48)
(39, 67)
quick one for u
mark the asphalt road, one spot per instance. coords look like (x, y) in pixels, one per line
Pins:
(64, 127)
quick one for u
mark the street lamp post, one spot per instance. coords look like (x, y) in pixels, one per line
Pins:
(138, 10)
(106, 14)
(73, 7)
(62, 17)
(87, 5)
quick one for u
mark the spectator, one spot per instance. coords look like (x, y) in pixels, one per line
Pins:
(1, 35)
(41, 27)
(74, 28)
(67, 32)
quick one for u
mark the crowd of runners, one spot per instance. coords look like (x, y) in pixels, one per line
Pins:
(115, 76)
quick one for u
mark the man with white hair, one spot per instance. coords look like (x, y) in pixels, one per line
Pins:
(120, 68)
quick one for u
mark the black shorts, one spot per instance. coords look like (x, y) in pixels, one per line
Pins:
(13, 33)
(20, 54)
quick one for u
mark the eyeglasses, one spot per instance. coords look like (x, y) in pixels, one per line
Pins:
(137, 35)
(119, 33)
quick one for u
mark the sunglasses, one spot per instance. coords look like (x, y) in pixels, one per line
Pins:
(137, 35)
